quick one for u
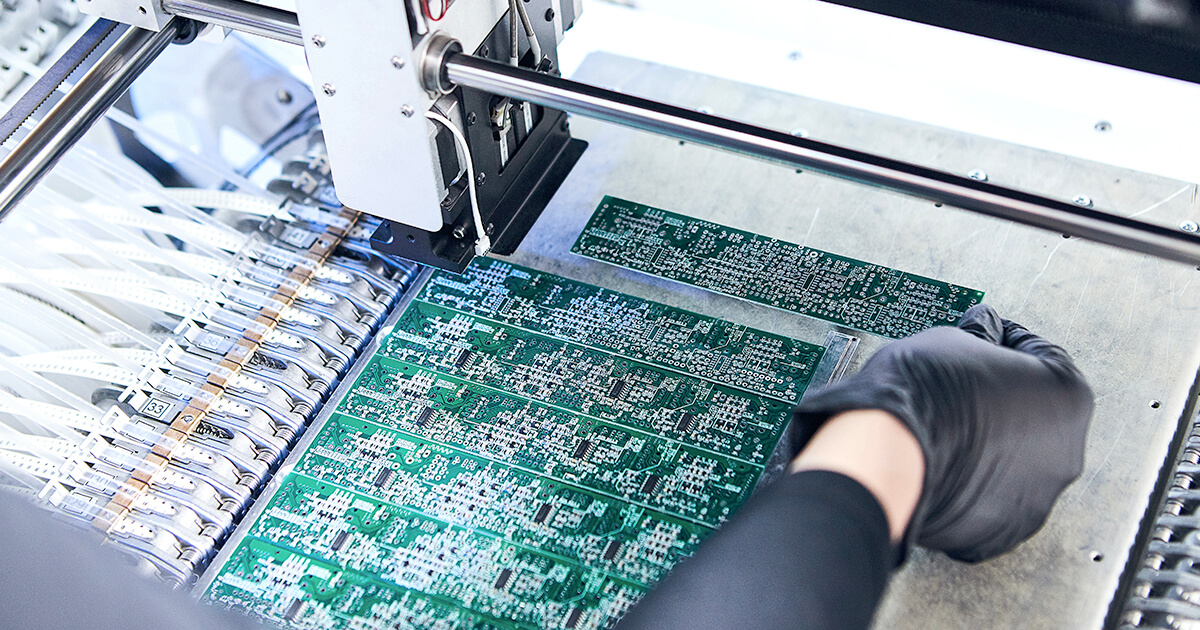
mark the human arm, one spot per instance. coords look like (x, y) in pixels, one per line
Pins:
(999, 416)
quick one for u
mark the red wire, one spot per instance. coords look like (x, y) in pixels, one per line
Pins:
(428, 14)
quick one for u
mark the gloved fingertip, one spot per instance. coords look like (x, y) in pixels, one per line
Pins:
(984, 322)
(1022, 339)
(1011, 327)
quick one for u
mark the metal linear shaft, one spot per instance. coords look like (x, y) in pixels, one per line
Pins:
(241, 16)
(782, 148)
(740, 138)
(79, 109)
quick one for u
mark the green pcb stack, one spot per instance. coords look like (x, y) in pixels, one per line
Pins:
(523, 451)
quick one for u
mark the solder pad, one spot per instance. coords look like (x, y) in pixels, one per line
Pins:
(852, 293)
(523, 451)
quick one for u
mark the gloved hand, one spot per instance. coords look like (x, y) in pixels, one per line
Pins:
(1001, 416)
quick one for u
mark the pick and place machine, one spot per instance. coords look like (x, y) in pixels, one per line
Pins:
(419, 333)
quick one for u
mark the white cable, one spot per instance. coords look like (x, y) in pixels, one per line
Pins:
(533, 40)
(223, 199)
(182, 229)
(130, 241)
(54, 414)
(65, 299)
(115, 284)
(484, 244)
(177, 260)
(513, 17)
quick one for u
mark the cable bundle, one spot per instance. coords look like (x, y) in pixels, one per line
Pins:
(162, 349)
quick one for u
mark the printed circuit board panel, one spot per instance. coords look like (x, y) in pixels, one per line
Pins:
(852, 293)
(523, 451)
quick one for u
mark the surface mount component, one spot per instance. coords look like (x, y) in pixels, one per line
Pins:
(523, 451)
(863, 296)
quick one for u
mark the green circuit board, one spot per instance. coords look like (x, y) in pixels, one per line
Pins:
(852, 293)
(509, 458)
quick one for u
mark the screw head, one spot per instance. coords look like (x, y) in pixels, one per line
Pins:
(397, 62)
(549, 15)
(283, 96)
(318, 41)
(1082, 200)
(479, 179)
(800, 132)
(407, 110)
(795, 55)
(471, 118)
(1102, 126)
(328, 89)
(459, 232)
(978, 175)
(705, 110)
(1190, 226)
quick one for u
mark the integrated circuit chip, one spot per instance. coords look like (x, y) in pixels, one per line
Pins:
(864, 296)
(502, 579)
(385, 475)
(293, 611)
(581, 451)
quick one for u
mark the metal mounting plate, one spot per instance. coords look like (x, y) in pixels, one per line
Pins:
(371, 103)
(1129, 320)
(147, 14)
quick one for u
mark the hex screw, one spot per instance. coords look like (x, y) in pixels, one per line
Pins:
(479, 179)
(1082, 200)
(471, 118)
(283, 96)
(549, 15)
(1189, 226)
(328, 89)
(978, 175)
(397, 62)
(459, 232)
(407, 110)
(318, 41)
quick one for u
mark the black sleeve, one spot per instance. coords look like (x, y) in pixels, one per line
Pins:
(810, 551)
(55, 576)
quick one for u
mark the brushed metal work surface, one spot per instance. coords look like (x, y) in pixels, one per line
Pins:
(1129, 320)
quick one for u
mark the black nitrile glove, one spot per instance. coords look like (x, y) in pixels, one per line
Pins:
(1001, 416)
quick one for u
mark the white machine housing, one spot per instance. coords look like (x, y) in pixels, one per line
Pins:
(363, 59)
